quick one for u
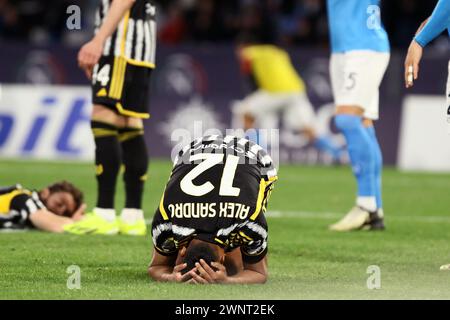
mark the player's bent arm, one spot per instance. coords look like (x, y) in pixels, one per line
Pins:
(112, 19)
(413, 57)
(46, 221)
(162, 268)
(91, 52)
(255, 273)
(436, 24)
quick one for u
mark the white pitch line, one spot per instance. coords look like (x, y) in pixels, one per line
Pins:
(302, 214)
(13, 230)
(335, 215)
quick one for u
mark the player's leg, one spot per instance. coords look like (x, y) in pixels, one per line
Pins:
(135, 161)
(299, 115)
(105, 121)
(378, 69)
(104, 124)
(369, 125)
(356, 86)
(362, 156)
(446, 267)
(255, 107)
(107, 81)
(266, 123)
(378, 220)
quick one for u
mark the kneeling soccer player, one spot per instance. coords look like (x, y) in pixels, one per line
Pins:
(210, 225)
(50, 209)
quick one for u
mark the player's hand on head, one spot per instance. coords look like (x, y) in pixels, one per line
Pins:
(177, 276)
(89, 55)
(206, 274)
(412, 63)
(79, 214)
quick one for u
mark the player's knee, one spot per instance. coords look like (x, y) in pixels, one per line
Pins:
(134, 122)
(367, 123)
(346, 122)
(350, 110)
(249, 121)
(309, 132)
(106, 115)
(378, 160)
(136, 168)
(135, 158)
(107, 149)
(107, 163)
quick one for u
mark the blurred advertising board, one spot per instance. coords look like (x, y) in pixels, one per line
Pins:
(45, 122)
(425, 134)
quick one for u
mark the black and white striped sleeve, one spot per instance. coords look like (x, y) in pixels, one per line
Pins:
(256, 249)
(162, 235)
(23, 206)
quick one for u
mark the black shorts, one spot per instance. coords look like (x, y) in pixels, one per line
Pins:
(121, 86)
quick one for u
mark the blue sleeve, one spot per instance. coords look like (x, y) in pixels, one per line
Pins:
(438, 22)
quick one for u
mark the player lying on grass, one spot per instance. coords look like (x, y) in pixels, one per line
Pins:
(50, 209)
(210, 225)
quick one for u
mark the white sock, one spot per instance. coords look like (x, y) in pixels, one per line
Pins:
(107, 214)
(131, 216)
(367, 203)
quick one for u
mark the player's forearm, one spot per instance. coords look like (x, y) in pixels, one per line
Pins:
(113, 18)
(437, 23)
(47, 221)
(160, 273)
(247, 277)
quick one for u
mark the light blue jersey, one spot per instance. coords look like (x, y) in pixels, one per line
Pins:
(438, 22)
(356, 25)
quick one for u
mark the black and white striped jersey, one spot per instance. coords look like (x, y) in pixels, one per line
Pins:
(135, 37)
(16, 206)
(217, 192)
(245, 150)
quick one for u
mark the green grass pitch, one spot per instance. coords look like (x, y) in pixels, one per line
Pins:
(306, 261)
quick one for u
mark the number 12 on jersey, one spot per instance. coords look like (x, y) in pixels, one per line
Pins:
(209, 161)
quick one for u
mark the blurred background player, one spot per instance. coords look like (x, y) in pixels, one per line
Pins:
(428, 31)
(278, 89)
(360, 56)
(119, 60)
(213, 210)
(51, 209)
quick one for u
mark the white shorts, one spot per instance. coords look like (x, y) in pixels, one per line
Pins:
(265, 107)
(356, 77)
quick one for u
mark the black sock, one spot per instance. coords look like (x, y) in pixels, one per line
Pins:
(135, 160)
(107, 160)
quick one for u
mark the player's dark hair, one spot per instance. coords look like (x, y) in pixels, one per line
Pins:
(198, 251)
(65, 186)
